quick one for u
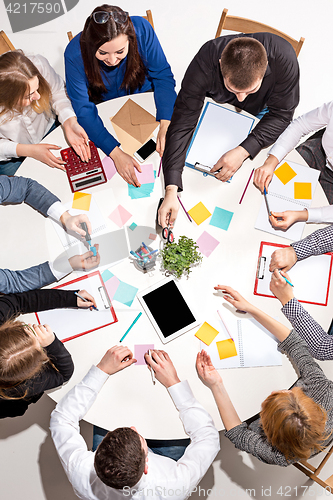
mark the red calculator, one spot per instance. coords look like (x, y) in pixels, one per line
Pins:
(81, 174)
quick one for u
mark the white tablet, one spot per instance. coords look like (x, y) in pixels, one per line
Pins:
(166, 295)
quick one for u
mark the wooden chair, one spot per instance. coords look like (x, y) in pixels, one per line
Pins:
(149, 18)
(313, 472)
(243, 25)
(5, 43)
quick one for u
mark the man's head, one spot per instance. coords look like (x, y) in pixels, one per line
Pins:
(121, 458)
(243, 64)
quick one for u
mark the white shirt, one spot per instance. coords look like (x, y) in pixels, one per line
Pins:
(165, 478)
(30, 127)
(310, 122)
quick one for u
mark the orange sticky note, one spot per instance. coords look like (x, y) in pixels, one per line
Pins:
(199, 213)
(206, 333)
(302, 191)
(81, 201)
(226, 348)
(285, 173)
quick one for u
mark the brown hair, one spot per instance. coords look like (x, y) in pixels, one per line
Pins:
(93, 36)
(120, 459)
(15, 72)
(294, 423)
(243, 61)
(20, 359)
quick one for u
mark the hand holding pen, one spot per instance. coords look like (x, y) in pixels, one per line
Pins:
(161, 364)
(281, 286)
(85, 300)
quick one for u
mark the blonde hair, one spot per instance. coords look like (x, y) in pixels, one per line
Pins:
(20, 358)
(294, 423)
(15, 72)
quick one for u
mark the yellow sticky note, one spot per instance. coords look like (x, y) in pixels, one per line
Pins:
(285, 173)
(199, 213)
(226, 348)
(81, 201)
(206, 333)
(303, 191)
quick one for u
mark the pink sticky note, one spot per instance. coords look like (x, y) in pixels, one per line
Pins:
(207, 243)
(147, 174)
(111, 286)
(120, 216)
(109, 167)
(139, 352)
(152, 236)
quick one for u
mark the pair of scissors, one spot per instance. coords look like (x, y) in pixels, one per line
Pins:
(168, 234)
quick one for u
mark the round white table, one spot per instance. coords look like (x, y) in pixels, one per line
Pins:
(129, 397)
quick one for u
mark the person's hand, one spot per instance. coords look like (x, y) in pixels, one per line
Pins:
(230, 162)
(86, 261)
(283, 220)
(41, 152)
(77, 138)
(73, 223)
(281, 289)
(126, 165)
(235, 298)
(43, 333)
(168, 211)
(115, 359)
(263, 175)
(82, 303)
(160, 141)
(283, 258)
(206, 371)
(163, 367)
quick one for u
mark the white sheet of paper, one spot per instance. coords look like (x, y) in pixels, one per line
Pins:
(218, 130)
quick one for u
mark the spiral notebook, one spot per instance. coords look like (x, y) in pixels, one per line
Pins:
(255, 346)
(290, 182)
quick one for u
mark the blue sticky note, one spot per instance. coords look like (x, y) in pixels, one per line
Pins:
(106, 275)
(221, 218)
(133, 226)
(143, 191)
(125, 293)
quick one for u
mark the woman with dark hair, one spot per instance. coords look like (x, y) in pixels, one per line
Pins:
(293, 424)
(32, 358)
(32, 99)
(116, 55)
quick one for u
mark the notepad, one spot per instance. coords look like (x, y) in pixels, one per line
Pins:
(310, 277)
(199, 213)
(255, 346)
(219, 130)
(70, 323)
(206, 333)
(284, 196)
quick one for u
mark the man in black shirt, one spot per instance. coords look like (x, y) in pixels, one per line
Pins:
(250, 71)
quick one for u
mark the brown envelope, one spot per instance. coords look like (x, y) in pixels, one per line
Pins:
(135, 120)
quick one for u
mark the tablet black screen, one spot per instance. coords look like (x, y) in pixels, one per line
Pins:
(169, 308)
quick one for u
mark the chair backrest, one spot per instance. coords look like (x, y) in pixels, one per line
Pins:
(5, 43)
(243, 25)
(149, 18)
(312, 472)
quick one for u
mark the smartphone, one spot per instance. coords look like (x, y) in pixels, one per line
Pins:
(146, 150)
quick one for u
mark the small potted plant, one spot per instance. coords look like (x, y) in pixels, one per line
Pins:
(178, 258)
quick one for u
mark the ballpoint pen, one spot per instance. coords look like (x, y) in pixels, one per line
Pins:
(151, 370)
(289, 282)
(267, 205)
(130, 327)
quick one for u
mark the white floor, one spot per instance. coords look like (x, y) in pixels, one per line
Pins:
(29, 465)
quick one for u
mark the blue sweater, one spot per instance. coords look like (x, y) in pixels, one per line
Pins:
(159, 79)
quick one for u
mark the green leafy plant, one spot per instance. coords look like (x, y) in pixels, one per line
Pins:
(179, 257)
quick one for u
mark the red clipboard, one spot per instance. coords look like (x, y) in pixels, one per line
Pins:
(263, 266)
(102, 321)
